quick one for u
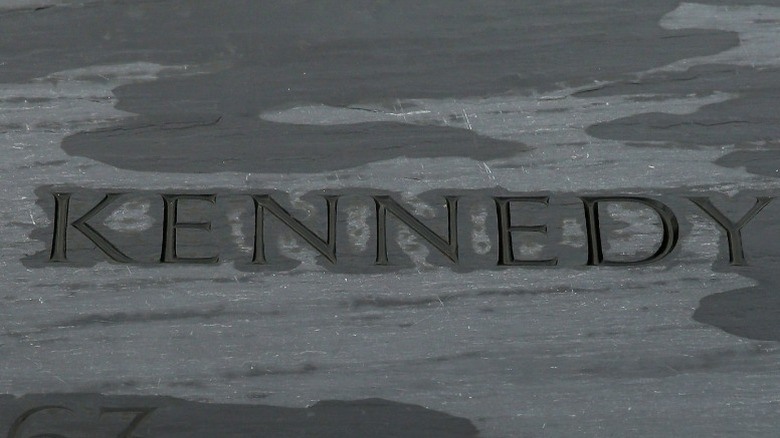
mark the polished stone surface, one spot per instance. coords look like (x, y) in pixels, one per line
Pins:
(416, 101)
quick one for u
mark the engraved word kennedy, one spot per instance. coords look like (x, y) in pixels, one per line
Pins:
(445, 242)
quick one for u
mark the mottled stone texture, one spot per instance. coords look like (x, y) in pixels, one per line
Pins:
(416, 101)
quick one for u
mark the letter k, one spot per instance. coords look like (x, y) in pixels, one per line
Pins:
(59, 241)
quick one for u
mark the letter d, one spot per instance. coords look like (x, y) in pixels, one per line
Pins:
(671, 229)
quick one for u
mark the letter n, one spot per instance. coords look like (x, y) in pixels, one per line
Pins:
(326, 247)
(447, 247)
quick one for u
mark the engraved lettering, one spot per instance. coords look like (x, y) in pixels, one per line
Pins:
(669, 223)
(733, 231)
(59, 241)
(505, 228)
(171, 224)
(326, 247)
(13, 432)
(142, 413)
(447, 247)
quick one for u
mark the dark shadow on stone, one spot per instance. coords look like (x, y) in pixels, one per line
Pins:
(698, 80)
(242, 144)
(758, 162)
(752, 313)
(340, 47)
(750, 117)
(337, 53)
(72, 415)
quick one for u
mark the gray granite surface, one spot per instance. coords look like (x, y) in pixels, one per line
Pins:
(415, 101)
